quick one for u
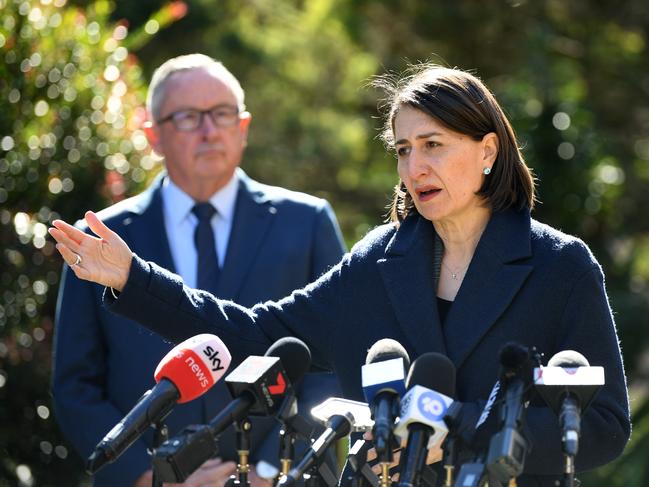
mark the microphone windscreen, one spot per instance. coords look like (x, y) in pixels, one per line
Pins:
(513, 356)
(194, 365)
(433, 371)
(294, 355)
(387, 349)
(568, 358)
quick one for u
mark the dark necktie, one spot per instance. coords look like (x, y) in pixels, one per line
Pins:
(207, 275)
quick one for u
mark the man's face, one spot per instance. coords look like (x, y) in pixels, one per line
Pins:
(201, 161)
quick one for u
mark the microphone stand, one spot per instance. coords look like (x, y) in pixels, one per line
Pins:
(286, 449)
(568, 479)
(571, 425)
(160, 435)
(240, 478)
(450, 456)
(320, 475)
(294, 426)
(362, 475)
(451, 442)
(385, 457)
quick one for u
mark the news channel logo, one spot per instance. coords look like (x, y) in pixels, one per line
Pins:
(432, 405)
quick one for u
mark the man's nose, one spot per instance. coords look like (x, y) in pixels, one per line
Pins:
(209, 128)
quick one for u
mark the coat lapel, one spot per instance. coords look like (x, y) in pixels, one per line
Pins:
(407, 272)
(145, 228)
(491, 282)
(253, 216)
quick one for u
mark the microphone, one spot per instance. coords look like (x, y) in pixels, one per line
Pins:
(568, 385)
(338, 426)
(258, 384)
(185, 373)
(337, 405)
(431, 384)
(383, 379)
(508, 447)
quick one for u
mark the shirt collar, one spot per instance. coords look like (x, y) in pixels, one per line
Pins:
(225, 199)
(178, 204)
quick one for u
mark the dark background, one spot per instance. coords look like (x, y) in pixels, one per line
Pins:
(572, 76)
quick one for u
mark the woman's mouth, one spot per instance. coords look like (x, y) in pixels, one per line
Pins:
(427, 193)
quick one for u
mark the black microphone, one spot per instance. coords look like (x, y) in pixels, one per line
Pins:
(508, 447)
(383, 378)
(259, 386)
(568, 385)
(186, 372)
(570, 415)
(431, 386)
(338, 426)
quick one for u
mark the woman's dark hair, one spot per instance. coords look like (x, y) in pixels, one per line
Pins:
(462, 103)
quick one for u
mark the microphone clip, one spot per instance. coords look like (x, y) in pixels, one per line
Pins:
(177, 458)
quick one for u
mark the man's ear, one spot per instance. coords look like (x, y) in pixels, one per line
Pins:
(244, 122)
(151, 133)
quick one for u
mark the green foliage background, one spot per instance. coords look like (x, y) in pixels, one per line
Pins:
(572, 76)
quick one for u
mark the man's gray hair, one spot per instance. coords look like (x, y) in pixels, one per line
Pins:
(156, 94)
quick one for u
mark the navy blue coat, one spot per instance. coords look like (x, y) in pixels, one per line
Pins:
(280, 240)
(526, 283)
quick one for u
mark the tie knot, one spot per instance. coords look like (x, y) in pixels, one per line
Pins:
(203, 211)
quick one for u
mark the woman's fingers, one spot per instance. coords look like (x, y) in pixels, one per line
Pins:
(105, 260)
(211, 463)
(63, 239)
(396, 456)
(98, 227)
(68, 255)
(434, 455)
(213, 474)
(71, 232)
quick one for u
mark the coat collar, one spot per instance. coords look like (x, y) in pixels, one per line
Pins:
(144, 227)
(491, 282)
(253, 216)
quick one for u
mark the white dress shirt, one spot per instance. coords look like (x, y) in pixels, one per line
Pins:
(180, 224)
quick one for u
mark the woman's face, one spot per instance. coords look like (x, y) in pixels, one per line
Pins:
(441, 169)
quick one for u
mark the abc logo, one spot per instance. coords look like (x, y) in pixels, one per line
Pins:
(432, 406)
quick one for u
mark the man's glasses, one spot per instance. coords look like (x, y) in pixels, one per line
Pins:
(190, 120)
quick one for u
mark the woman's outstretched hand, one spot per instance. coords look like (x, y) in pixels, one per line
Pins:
(105, 260)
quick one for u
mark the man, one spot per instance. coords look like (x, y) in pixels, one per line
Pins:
(254, 243)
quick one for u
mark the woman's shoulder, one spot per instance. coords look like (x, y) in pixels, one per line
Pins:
(565, 249)
(375, 241)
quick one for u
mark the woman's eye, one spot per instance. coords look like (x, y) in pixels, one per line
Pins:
(402, 151)
(432, 144)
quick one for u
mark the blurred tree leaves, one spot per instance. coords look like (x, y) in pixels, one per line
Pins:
(70, 110)
(572, 76)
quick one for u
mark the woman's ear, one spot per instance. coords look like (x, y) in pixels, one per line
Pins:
(490, 147)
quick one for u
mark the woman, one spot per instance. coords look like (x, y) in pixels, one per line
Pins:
(461, 270)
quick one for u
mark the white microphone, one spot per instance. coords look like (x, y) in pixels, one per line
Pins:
(421, 419)
(383, 383)
(424, 406)
(568, 385)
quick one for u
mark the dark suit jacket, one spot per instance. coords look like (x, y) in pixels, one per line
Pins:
(526, 283)
(280, 240)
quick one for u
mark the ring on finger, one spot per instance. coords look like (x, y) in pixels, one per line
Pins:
(78, 261)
